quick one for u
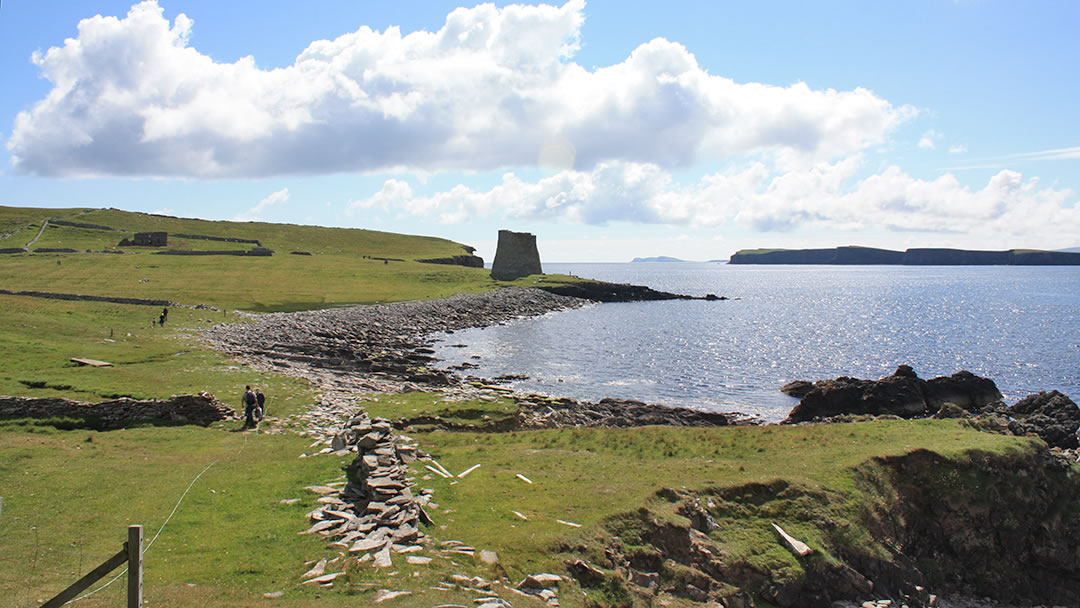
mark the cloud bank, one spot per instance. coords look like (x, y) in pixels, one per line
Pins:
(492, 89)
(826, 196)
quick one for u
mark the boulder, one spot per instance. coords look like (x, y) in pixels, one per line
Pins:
(797, 388)
(902, 394)
(963, 388)
(1050, 415)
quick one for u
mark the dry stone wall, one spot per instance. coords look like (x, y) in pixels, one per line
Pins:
(201, 409)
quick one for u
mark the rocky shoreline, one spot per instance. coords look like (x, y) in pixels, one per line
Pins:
(387, 348)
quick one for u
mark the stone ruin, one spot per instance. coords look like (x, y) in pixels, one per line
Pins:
(146, 239)
(516, 256)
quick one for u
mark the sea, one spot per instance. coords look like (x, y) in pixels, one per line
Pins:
(1018, 326)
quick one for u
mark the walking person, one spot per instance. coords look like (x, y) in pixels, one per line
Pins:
(250, 402)
(260, 399)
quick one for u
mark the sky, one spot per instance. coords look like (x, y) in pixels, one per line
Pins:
(609, 129)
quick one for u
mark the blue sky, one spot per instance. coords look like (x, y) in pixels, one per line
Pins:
(608, 129)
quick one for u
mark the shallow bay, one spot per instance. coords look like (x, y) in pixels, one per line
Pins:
(1019, 326)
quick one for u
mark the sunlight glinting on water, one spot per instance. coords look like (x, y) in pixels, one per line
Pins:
(1015, 325)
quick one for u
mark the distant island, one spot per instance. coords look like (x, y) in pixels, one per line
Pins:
(911, 257)
(659, 258)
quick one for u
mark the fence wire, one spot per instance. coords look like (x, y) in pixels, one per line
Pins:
(36, 563)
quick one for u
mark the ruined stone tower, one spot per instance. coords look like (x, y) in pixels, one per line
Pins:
(516, 256)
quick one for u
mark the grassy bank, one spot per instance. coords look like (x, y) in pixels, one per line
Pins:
(73, 493)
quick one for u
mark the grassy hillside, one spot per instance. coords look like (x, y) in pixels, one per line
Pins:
(211, 498)
(41, 335)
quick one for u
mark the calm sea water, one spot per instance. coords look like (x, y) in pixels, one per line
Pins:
(1018, 326)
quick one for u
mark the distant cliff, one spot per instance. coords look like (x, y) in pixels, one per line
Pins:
(911, 257)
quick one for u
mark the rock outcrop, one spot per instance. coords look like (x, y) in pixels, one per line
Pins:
(516, 256)
(902, 394)
(201, 409)
(1050, 415)
(599, 291)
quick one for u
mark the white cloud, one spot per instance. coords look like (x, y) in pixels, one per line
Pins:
(755, 197)
(255, 214)
(927, 141)
(958, 149)
(493, 88)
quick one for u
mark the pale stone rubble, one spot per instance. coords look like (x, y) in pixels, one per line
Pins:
(373, 516)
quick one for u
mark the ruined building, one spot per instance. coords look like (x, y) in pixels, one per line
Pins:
(516, 256)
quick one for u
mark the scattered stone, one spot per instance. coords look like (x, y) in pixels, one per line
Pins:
(382, 558)
(318, 570)
(385, 594)
(540, 581)
(469, 470)
(324, 579)
(795, 546)
(418, 560)
(273, 595)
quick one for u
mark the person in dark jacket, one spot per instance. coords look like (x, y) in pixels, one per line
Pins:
(250, 402)
(260, 399)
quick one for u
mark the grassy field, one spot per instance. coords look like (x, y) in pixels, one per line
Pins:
(210, 498)
(73, 493)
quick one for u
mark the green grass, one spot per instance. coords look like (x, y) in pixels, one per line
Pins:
(478, 413)
(148, 362)
(231, 541)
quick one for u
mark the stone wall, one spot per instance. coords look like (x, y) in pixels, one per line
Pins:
(472, 261)
(80, 225)
(201, 409)
(113, 299)
(223, 239)
(516, 256)
(254, 251)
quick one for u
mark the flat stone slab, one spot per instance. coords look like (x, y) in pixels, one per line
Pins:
(91, 362)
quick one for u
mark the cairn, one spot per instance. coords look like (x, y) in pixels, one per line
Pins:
(374, 512)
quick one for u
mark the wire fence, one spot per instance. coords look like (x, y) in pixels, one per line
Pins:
(36, 563)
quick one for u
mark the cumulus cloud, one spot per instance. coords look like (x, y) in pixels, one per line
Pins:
(827, 195)
(492, 89)
(255, 214)
(958, 149)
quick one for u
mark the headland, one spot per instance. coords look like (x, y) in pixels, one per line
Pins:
(911, 257)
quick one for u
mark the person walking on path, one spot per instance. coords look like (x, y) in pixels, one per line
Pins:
(250, 402)
(164, 315)
(260, 399)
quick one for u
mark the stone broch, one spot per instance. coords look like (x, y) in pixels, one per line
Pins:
(516, 256)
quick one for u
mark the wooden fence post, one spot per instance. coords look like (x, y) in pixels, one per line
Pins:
(134, 558)
(131, 553)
